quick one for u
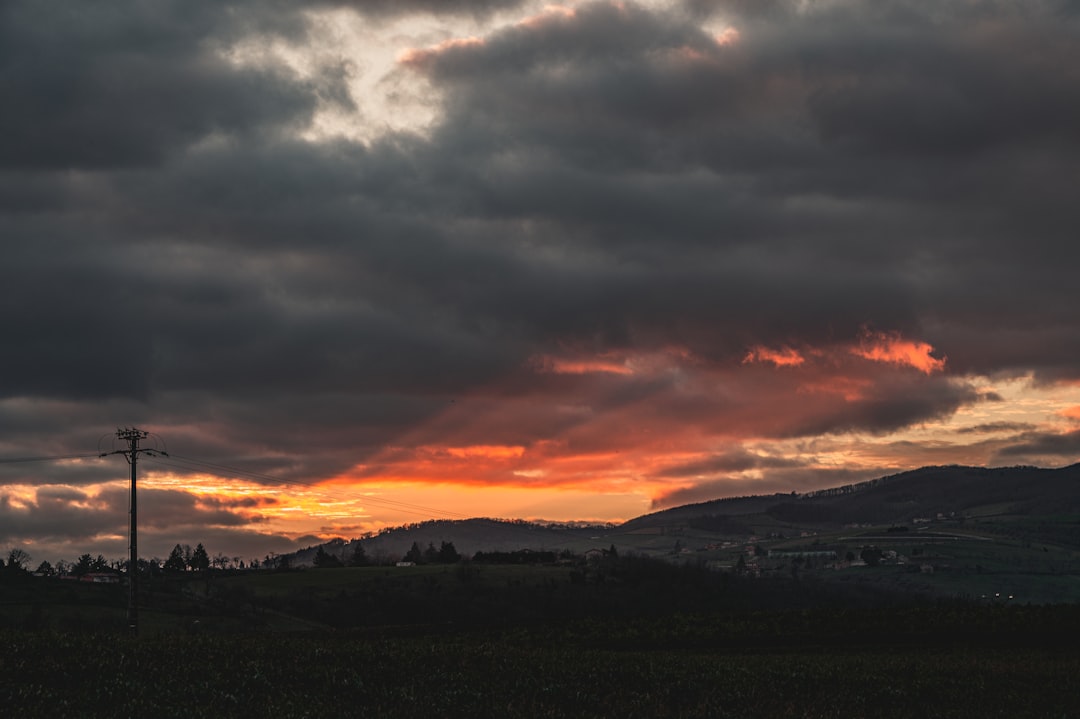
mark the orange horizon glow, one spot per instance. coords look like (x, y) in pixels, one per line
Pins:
(662, 434)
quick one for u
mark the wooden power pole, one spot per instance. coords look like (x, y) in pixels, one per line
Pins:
(133, 436)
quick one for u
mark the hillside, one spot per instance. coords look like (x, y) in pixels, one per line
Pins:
(940, 531)
(1042, 504)
(952, 491)
(468, 536)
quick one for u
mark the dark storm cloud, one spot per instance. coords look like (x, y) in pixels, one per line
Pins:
(63, 523)
(124, 85)
(55, 513)
(822, 140)
(1039, 446)
(996, 427)
(800, 479)
(891, 406)
(736, 461)
(611, 179)
(379, 8)
(63, 515)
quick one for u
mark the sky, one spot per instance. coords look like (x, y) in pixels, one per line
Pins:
(355, 264)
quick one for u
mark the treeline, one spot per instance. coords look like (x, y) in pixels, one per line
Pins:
(521, 556)
(18, 563)
(445, 554)
(357, 558)
(183, 558)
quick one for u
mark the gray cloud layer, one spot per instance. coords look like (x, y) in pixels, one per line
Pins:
(610, 180)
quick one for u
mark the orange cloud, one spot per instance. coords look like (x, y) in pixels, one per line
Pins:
(420, 56)
(611, 423)
(549, 13)
(891, 348)
(783, 357)
(617, 362)
(1071, 413)
(485, 451)
(729, 36)
(558, 365)
(852, 389)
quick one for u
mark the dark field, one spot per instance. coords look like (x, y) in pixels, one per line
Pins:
(522, 674)
(643, 641)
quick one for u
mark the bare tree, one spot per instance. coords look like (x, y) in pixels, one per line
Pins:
(18, 560)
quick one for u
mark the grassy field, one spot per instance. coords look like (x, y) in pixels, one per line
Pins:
(629, 669)
(632, 638)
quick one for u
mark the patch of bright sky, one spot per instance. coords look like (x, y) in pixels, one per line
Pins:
(972, 435)
(501, 502)
(318, 503)
(388, 97)
(340, 508)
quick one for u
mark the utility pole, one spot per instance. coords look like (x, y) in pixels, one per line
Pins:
(133, 436)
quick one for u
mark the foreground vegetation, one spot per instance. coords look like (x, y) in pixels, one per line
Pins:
(627, 638)
(638, 668)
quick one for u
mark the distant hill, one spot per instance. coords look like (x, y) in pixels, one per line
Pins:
(953, 492)
(467, 535)
(900, 498)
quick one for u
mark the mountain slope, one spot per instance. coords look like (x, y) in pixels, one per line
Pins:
(1030, 495)
(901, 498)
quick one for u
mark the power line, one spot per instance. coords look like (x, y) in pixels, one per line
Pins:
(48, 458)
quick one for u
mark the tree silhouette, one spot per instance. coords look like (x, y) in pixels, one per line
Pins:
(175, 562)
(200, 560)
(325, 560)
(17, 560)
(82, 565)
(872, 556)
(359, 556)
(414, 555)
(448, 554)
